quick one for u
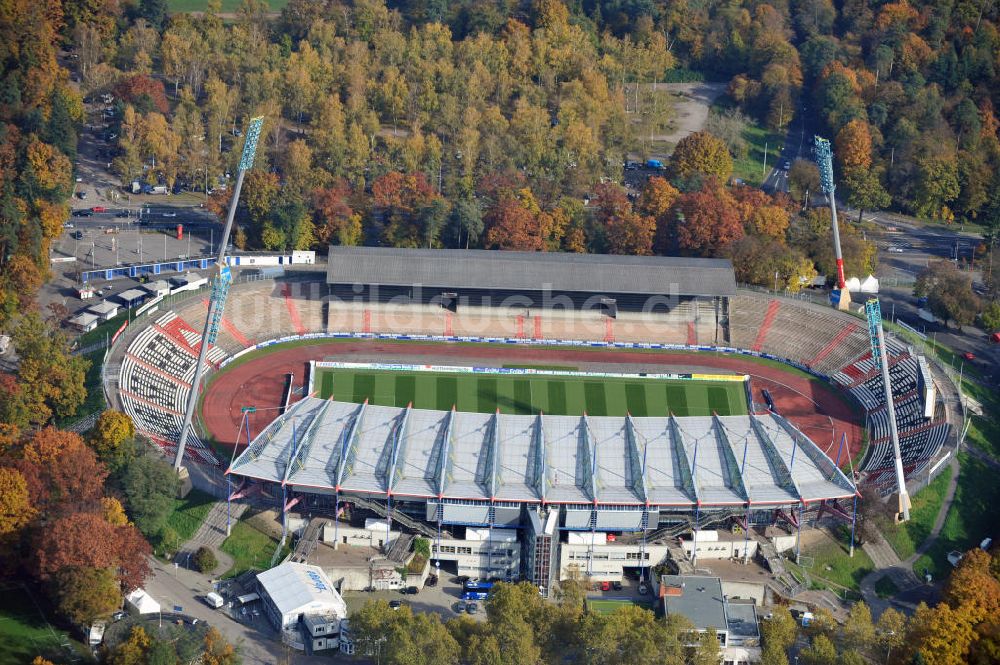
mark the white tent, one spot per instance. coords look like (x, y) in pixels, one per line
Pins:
(294, 589)
(869, 285)
(853, 284)
(142, 602)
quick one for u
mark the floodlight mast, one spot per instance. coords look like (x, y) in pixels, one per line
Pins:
(824, 160)
(217, 301)
(873, 310)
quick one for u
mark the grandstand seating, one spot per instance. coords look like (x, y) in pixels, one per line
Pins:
(158, 367)
(155, 378)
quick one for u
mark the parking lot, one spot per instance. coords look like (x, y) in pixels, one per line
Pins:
(122, 244)
(445, 599)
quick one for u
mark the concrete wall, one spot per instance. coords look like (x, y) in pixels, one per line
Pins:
(720, 549)
(744, 590)
(783, 543)
(608, 560)
(355, 536)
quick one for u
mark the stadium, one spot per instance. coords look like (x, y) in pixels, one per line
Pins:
(588, 409)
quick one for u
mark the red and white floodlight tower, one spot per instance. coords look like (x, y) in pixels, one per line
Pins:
(841, 298)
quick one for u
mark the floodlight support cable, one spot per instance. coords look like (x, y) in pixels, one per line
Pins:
(214, 303)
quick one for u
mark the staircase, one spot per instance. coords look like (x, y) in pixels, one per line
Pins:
(680, 560)
(399, 550)
(379, 509)
(310, 538)
(772, 312)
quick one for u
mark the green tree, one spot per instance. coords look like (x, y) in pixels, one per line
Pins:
(890, 631)
(865, 191)
(936, 187)
(113, 439)
(466, 222)
(819, 652)
(84, 595)
(150, 486)
(949, 292)
(204, 560)
(858, 630)
(991, 316)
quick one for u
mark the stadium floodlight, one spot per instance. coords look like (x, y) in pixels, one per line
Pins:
(873, 311)
(220, 287)
(824, 160)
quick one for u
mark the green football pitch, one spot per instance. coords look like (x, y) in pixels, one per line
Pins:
(556, 395)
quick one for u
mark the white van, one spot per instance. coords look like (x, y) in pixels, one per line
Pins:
(214, 600)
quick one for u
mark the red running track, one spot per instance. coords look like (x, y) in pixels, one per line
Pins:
(821, 411)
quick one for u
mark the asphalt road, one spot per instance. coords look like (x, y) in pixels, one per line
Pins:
(797, 144)
(256, 639)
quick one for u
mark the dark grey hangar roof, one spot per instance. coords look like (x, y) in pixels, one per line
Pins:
(530, 271)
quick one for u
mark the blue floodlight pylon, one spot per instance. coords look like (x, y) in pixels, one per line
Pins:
(220, 287)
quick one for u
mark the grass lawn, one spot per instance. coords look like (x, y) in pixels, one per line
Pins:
(906, 538)
(972, 517)
(25, 632)
(832, 561)
(609, 605)
(186, 516)
(750, 168)
(885, 587)
(984, 432)
(251, 549)
(528, 394)
(228, 6)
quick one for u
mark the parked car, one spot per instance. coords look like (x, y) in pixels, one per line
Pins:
(605, 586)
(98, 209)
(616, 585)
(78, 235)
(122, 214)
(472, 608)
(643, 588)
(170, 214)
(68, 225)
(412, 590)
(969, 355)
(81, 195)
(432, 580)
(395, 604)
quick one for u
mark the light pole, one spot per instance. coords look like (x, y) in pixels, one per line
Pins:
(220, 287)
(824, 159)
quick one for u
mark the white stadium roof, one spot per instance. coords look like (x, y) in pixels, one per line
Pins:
(660, 461)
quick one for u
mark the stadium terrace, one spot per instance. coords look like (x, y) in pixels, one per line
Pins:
(639, 462)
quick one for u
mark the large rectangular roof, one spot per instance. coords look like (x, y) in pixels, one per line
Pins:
(717, 461)
(530, 271)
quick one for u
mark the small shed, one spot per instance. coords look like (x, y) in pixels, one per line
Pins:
(84, 321)
(160, 287)
(104, 310)
(84, 291)
(132, 297)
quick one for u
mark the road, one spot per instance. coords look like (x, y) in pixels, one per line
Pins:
(795, 147)
(256, 640)
(906, 247)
